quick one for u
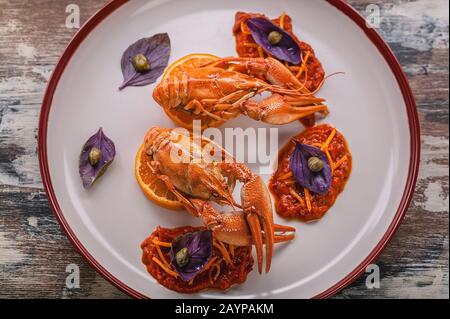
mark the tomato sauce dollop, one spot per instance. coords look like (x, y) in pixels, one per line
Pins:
(314, 74)
(230, 274)
(288, 205)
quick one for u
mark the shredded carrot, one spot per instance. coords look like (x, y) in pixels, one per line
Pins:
(217, 266)
(260, 52)
(210, 274)
(297, 196)
(329, 139)
(167, 270)
(318, 145)
(222, 250)
(243, 30)
(291, 182)
(283, 15)
(302, 68)
(300, 71)
(308, 199)
(250, 45)
(330, 159)
(303, 88)
(231, 250)
(207, 266)
(210, 262)
(226, 250)
(210, 277)
(222, 245)
(339, 163)
(162, 256)
(254, 45)
(161, 243)
(285, 176)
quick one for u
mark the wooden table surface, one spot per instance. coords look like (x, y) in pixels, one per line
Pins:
(34, 252)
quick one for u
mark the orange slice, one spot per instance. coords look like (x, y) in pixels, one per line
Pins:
(185, 118)
(151, 185)
(194, 60)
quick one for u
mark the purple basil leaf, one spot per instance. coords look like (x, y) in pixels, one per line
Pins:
(317, 182)
(199, 245)
(157, 51)
(90, 173)
(286, 50)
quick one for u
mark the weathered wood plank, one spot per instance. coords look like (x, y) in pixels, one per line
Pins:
(415, 264)
(34, 253)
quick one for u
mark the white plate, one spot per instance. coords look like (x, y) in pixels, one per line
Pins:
(371, 104)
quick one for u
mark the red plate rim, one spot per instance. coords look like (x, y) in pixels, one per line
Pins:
(342, 6)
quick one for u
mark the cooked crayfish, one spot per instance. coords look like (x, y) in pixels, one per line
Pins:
(177, 158)
(223, 89)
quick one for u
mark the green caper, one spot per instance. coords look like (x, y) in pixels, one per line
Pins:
(315, 164)
(140, 63)
(274, 37)
(182, 257)
(94, 156)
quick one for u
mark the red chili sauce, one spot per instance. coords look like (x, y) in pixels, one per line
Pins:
(289, 205)
(314, 73)
(230, 274)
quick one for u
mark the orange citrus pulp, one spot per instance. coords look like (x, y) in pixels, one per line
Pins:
(151, 185)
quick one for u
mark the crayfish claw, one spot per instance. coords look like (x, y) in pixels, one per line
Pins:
(257, 205)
